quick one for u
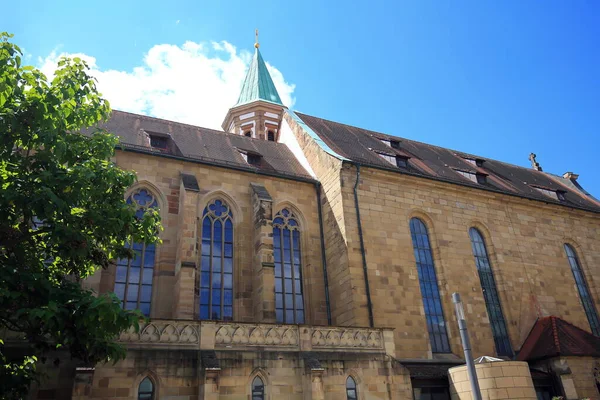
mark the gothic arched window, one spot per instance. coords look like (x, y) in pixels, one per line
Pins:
(351, 393)
(436, 325)
(133, 279)
(490, 294)
(258, 389)
(146, 389)
(584, 291)
(216, 270)
(289, 301)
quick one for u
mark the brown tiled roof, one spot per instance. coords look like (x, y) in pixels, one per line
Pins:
(206, 145)
(553, 337)
(361, 145)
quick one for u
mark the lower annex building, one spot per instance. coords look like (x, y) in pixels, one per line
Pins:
(308, 259)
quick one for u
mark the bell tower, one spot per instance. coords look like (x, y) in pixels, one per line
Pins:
(259, 110)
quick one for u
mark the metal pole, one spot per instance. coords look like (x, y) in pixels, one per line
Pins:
(464, 337)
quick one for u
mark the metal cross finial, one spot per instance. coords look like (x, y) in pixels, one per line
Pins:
(534, 164)
(256, 45)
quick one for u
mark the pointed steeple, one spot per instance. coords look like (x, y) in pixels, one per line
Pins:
(259, 111)
(258, 84)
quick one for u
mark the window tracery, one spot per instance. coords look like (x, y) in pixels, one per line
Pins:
(289, 299)
(133, 277)
(216, 264)
(490, 294)
(436, 325)
(583, 289)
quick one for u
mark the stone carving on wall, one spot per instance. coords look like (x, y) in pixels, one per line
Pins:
(257, 335)
(163, 332)
(229, 335)
(347, 337)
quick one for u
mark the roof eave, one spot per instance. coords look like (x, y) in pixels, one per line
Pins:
(487, 189)
(125, 147)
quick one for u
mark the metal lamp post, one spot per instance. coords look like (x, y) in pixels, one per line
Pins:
(464, 338)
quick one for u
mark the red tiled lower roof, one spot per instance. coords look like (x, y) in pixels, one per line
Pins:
(553, 337)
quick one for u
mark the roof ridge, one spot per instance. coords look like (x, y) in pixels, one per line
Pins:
(427, 144)
(229, 134)
(555, 333)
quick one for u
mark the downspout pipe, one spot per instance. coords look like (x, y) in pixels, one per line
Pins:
(362, 247)
(323, 257)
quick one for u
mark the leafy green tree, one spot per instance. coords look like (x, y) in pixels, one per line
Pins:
(62, 217)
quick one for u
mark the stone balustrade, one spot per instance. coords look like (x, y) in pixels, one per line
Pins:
(210, 335)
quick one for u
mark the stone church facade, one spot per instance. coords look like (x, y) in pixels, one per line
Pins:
(307, 259)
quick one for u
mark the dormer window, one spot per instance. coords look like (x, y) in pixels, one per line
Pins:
(401, 162)
(388, 157)
(271, 136)
(251, 158)
(554, 194)
(398, 161)
(473, 176)
(254, 159)
(391, 143)
(478, 162)
(159, 142)
(248, 134)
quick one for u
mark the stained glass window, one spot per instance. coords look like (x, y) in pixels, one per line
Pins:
(289, 301)
(216, 269)
(430, 292)
(258, 389)
(351, 393)
(146, 390)
(584, 291)
(490, 294)
(133, 278)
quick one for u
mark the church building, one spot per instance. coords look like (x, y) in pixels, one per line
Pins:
(303, 258)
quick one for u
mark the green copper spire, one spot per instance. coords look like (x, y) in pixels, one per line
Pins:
(258, 84)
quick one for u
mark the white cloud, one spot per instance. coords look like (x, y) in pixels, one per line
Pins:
(195, 83)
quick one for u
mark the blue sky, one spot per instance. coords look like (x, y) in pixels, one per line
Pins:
(497, 79)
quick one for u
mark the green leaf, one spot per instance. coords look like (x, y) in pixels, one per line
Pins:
(63, 206)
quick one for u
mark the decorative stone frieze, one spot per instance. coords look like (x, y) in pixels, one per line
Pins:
(257, 335)
(211, 335)
(347, 338)
(164, 332)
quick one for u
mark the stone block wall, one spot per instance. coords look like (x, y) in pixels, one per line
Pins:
(346, 309)
(181, 211)
(497, 380)
(524, 241)
(583, 381)
(286, 376)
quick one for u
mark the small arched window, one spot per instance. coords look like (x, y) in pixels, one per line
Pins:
(133, 278)
(146, 389)
(216, 270)
(271, 136)
(351, 392)
(289, 301)
(430, 292)
(490, 294)
(584, 291)
(258, 389)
